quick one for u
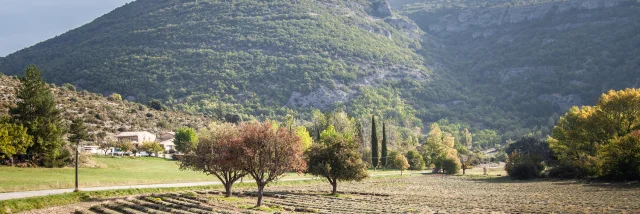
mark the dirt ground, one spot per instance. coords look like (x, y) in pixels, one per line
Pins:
(408, 194)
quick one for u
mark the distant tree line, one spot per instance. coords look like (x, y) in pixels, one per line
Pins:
(331, 145)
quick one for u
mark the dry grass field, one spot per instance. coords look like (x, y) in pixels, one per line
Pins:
(407, 194)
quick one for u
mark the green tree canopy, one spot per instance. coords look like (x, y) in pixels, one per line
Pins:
(152, 148)
(415, 160)
(374, 143)
(14, 139)
(336, 158)
(620, 159)
(78, 131)
(383, 155)
(186, 140)
(126, 146)
(36, 110)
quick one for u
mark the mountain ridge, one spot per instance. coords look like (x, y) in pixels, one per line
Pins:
(149, 43)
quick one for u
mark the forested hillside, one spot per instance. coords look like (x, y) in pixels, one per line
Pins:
(524, 63)
(248, 57)
(499, 67)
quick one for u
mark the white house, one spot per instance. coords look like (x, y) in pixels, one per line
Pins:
(136, 137)
(166, 140)
(91, 149)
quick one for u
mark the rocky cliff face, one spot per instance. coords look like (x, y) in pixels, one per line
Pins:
(382, 9)
(474, 19)
(531, 58)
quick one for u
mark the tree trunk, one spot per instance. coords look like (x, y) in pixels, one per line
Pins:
(260, 189)
(401, 172)
(464, 166)
(335, 187)
(227, 189)
(12, 164)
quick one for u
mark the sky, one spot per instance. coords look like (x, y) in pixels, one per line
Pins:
(24, 23)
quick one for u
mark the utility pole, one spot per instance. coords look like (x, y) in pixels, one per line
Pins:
(78, 134)
(77, 148)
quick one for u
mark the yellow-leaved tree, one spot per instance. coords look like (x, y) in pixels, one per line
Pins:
(592, 138)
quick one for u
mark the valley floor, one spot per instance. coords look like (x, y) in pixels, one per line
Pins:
(112, 171)
(400, 194)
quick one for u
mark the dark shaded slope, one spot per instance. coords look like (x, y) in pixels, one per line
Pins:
(522, 65)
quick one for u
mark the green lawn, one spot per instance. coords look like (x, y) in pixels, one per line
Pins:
(114, 172)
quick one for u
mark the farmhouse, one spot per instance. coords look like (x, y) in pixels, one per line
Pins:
(136, 137)
(91, 149)
(166, 140)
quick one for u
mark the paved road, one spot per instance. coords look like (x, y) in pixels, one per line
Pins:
(27, 194)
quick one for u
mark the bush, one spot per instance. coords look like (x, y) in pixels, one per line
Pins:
(163, 124)
(177, 157)
(69, 87)
(524, 171)
(521, 162)
(564, 171)
(157, 105)
(416, 161)
(450, 166)
(58, 159)
(115, 97)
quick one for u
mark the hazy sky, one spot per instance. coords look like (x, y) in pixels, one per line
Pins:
(24, 23)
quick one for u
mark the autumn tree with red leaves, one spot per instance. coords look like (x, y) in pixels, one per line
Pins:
(269, 153)
(218, 153)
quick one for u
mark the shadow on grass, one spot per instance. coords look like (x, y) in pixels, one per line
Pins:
(489, 179)
(634, 185)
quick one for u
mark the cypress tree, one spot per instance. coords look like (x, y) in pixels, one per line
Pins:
(374, 143)
(384, 146)
(317, 133)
